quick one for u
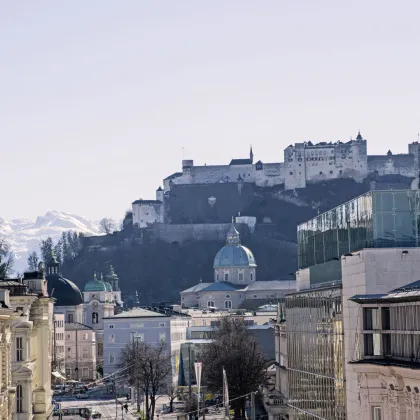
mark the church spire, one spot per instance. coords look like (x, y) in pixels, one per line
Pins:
(251, 155)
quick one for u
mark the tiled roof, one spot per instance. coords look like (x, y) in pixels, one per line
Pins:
(136, 313)
(196, 288)
(175, 175)
(76, 326)
(221, 286)
(240, 162)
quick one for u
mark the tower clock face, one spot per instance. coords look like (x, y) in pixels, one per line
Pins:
(95, 305)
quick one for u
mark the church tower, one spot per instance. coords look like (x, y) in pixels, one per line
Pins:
(251, 155)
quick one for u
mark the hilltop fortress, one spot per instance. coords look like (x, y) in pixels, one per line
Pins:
(304, 163)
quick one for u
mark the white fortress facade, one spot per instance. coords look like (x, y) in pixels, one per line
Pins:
(304, 163)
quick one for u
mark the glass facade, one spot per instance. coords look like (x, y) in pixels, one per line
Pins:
(377, 219)
(315, 349)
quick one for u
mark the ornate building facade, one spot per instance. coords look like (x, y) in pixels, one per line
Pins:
(29, 350)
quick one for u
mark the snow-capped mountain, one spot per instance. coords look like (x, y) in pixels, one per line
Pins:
(25, 235)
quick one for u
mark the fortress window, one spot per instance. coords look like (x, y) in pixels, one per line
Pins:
(255, 296)
(290, 173)
(320, 172)
(341, 171)
(331, 172)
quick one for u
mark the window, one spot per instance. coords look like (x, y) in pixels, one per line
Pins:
(68, 336)
(255, 296)
(228, 304)
(138, 337)
(210, 304)
(226, 276)
(386, 319)
(376, 413)
(241, 276)
(227, 296)
(19, 349)
(162, 325)
(95, 317)
(251, 276)
(111, 359)
(111, 326)
(162, 337)
(85, 336)
(271, 296)
(100, 349)
(372, 344)
(85, 372)
(217, 276)
(111, 339)
(19, 399)
(370, 318)
(290, 173)
(386, 344)
(70, 318)
(85, 352)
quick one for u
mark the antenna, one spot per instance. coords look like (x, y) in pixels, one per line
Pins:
(183, 152)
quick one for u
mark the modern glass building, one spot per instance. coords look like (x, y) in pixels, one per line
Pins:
(315, 350)
(377, 219)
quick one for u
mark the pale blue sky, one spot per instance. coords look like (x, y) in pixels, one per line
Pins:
(97, 98)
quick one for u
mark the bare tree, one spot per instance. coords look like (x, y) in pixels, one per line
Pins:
(171, 393)
(234, 349)
(148, 369)
(107, 225)
(33, 261)
(7, 259)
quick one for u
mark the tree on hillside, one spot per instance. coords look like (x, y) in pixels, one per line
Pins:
(234, 349)
(148, 369)
(46, 248)
(7, 259)
(107, 225)
(33, 261)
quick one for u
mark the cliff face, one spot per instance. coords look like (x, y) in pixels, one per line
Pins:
(159, 270)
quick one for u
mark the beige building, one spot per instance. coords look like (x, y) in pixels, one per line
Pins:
(80, 351)
(7, 392)
(30, 334)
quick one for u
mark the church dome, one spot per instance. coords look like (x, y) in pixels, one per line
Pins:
(233, 254)
(108, 287)
(64, 291)
(95, 285)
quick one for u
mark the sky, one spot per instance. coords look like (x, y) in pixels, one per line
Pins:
(98, 98)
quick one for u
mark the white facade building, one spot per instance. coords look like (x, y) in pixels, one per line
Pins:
(80, 352)
(58, 355)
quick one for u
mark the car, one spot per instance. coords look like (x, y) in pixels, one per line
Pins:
(96, 414)
(82, 396)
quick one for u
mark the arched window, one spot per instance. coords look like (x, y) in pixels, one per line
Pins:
(94, 317)
(210, 304)
(19, 399)
(241, 276)
(226, 276)
(228, 304)
(217, 276)
(252, 276)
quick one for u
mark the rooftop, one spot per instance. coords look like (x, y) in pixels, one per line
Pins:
(240, 162)
(76, 326)
(137, 313)
(141, 201)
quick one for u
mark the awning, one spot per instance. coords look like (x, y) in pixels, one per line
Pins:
(58, 375)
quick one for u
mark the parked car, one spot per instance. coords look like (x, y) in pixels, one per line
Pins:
(82, 396)
(96, 414)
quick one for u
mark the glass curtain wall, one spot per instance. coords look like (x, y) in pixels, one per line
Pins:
(315, 346)
(378, 219)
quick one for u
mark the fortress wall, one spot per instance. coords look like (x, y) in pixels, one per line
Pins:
(272, 174)
(392, 165)
(197, 232)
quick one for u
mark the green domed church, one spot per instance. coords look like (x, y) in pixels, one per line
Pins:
(235, 281)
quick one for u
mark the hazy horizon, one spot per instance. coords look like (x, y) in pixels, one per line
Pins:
(98, 99)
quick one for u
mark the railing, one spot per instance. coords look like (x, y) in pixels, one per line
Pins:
(275, 399)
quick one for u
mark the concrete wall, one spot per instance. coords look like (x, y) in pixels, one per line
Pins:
(145, 214)
(368, 272)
